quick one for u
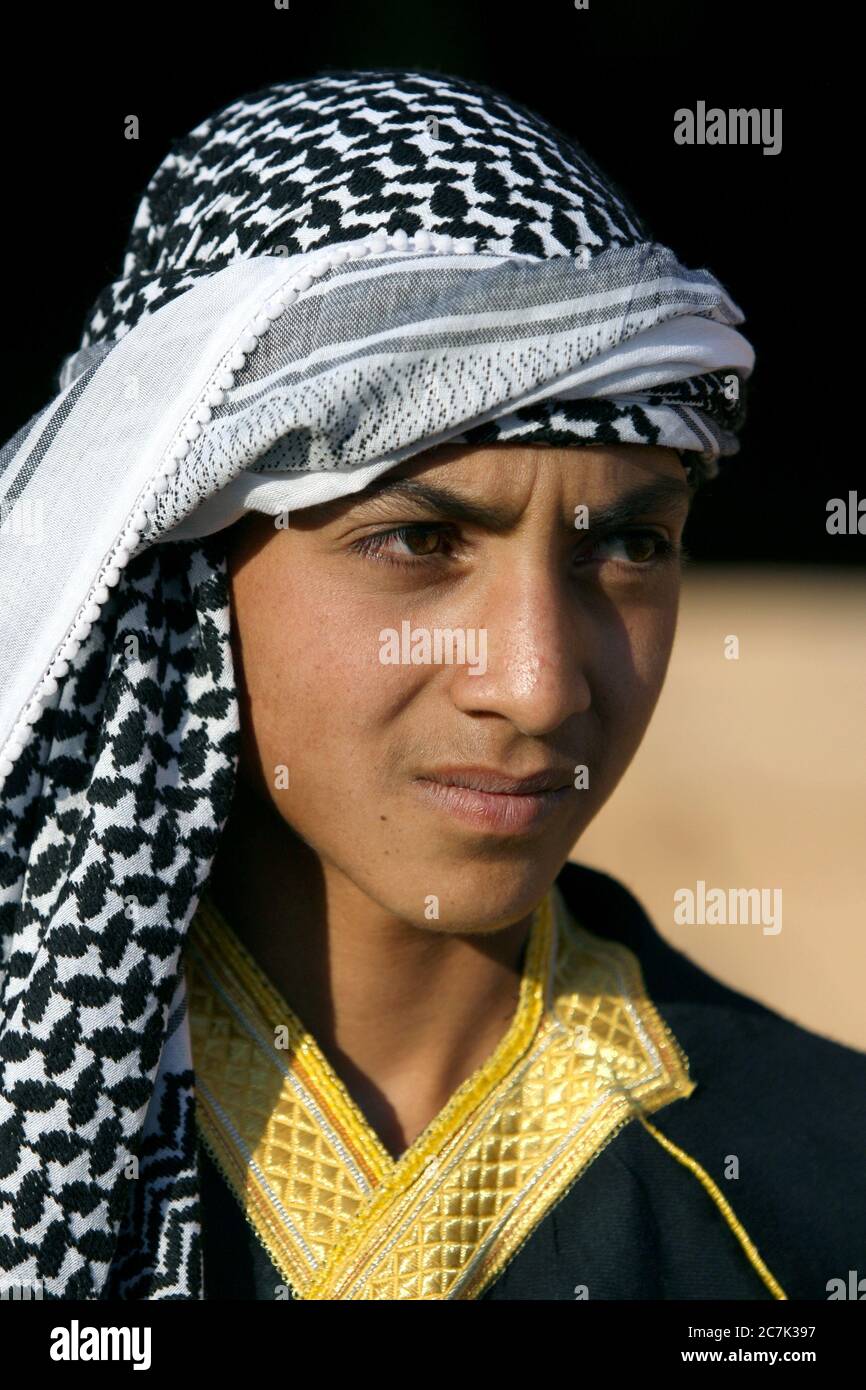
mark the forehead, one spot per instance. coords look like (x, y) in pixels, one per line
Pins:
(493, 486)
(516, 472)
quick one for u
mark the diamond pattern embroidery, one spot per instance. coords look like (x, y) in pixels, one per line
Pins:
(242, 1077)
(342, 1219)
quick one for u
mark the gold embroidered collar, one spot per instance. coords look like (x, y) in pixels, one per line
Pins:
(340, 1217)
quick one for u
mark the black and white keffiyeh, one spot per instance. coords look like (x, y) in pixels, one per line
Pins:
(322, 280)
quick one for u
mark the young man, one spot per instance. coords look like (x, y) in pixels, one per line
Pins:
(429, 1128)
(356, 588)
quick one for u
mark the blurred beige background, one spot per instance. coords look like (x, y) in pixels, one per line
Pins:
(753, 775)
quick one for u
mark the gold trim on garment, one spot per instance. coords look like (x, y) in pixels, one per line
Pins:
(342, 1219)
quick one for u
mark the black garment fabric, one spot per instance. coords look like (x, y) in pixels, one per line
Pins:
(637, 1224)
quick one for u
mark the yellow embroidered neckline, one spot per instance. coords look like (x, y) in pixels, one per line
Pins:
(339, 1216)
(221, 956)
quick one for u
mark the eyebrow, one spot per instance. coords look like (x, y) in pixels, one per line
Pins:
(450, 505)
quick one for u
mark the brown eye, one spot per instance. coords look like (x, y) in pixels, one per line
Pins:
(641, 547)
(418, 541)
(421, 540)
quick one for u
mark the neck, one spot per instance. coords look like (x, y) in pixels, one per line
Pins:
(404, 1015)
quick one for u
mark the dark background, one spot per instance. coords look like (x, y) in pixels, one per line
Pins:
(611, 76)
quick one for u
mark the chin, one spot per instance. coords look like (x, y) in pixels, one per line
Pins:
(478, 898)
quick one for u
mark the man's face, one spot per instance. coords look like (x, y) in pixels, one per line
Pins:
(557, 569)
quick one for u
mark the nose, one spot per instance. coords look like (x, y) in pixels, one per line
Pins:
(534, 672)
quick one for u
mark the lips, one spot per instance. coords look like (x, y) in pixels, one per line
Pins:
(482, 779)
(495, 802)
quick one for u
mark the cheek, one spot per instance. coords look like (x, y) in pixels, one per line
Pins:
(651, 637)
(631, 673)
(317, 694)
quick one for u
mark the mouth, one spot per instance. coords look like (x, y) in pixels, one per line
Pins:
(495, 801)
